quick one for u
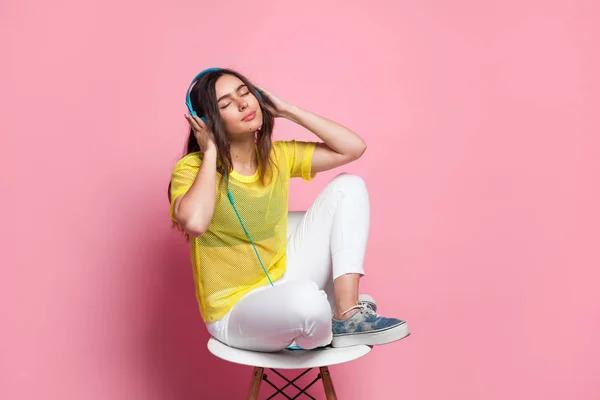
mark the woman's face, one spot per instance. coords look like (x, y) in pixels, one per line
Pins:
(239, 109)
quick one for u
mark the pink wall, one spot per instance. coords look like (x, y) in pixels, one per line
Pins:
(483, 164)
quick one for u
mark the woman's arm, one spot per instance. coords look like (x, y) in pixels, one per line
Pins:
(340, 145)
(194, 210)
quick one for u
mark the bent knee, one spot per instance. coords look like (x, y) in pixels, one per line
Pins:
(349, 181)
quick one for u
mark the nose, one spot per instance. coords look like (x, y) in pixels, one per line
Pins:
(243, 104)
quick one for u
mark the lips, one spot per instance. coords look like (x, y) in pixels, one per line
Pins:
(249, 117)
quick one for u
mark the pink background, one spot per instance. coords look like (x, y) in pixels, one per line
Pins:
(483, 167)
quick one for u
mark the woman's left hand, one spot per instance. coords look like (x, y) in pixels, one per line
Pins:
(277, 107)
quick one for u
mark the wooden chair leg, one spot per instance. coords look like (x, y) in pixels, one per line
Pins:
(327, 384)
(257, 375)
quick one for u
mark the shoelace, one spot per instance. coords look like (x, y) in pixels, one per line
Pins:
(363, 307)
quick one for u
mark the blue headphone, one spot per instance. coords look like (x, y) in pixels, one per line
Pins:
(188, 103)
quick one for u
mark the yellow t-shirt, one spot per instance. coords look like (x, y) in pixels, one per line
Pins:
(224, 263)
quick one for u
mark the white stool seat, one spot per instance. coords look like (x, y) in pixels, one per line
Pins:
(287, 359)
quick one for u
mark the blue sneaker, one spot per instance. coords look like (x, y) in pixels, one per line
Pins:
(367, 327)
(368, 300)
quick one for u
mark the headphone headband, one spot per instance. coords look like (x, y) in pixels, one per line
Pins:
(188, 101)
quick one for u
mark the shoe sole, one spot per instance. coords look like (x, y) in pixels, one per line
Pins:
(372, 338)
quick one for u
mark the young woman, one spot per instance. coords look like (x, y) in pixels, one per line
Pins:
(258, 288)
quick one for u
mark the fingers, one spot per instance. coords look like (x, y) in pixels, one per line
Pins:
(201, 132)
(195, 122)
(199, 121)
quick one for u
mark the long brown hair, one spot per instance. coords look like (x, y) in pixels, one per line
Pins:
(204, 101)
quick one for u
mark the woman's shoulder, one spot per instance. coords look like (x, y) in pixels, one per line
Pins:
(283, 146)
(191, 160)
(277, 146)
(291, 146)
(280, 149)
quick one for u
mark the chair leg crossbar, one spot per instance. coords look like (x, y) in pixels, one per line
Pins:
(258, 376)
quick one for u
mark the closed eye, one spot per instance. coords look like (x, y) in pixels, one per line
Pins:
(227, 95)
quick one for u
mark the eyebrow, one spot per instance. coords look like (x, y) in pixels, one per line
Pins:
(229, 94)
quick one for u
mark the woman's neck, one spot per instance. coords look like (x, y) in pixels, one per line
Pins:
(243, 155)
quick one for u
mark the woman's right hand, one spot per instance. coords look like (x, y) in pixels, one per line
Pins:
(204, 136)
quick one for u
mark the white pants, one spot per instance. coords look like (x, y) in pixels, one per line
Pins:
(327, 241)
